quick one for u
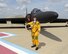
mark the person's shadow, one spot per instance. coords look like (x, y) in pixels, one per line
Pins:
(41, 44)
(49, 35)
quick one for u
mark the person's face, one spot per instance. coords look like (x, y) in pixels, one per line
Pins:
(34, 19)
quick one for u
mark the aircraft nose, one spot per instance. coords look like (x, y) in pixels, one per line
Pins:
(56, 15)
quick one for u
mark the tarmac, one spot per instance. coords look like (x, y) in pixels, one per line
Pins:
(53, 37)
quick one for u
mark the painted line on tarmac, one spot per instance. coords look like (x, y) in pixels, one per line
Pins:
(14, 47)
(7, 34)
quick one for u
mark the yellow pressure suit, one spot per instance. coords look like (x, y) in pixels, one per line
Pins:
(35, 30)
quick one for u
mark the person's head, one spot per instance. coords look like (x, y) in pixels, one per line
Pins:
(34, 19)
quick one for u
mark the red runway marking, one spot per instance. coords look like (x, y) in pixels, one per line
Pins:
(4, 50)
(2, 34)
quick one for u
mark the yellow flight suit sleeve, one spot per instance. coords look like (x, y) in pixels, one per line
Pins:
(30, 23)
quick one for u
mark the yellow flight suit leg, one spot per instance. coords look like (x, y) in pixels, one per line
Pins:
(35, 39)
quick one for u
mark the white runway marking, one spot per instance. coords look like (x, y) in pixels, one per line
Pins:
(12, 48)
(8, 34)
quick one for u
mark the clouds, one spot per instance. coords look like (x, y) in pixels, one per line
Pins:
(18, 7)
(23, 7)
(66, 7)
(56, 0)
(1, 0)
(46, 8)
(3, 5)
(21, 2)
(12, 7)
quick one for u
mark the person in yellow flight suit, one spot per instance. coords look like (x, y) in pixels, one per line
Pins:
(35, 30)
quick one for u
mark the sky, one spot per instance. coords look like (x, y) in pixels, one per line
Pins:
(10, 8)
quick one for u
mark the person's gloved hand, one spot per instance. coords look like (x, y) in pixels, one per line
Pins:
(28, 27)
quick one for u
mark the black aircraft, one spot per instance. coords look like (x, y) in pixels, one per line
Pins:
(42, 17)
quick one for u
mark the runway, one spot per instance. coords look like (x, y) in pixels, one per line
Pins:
(53, 40)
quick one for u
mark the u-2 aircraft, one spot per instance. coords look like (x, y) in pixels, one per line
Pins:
(44, 17)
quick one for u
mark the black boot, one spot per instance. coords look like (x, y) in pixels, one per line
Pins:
(33, 46)
(37, 48)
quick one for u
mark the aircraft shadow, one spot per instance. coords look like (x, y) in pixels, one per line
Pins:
(49, 35)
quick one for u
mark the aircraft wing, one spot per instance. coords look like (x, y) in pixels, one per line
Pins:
(59, 21)
(13, 20)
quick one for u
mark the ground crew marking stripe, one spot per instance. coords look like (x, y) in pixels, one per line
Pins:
(4, 50)
(8, 34)
(12, 48)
